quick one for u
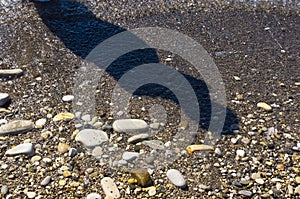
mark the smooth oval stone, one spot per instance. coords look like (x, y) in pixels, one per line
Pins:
(26, 148)
(176, 178)
(91, 138)
(18, 126)
(4, 97)
(93, 196)
(46, 181)
(129, 156)
(10, 72)
(138, 138)
(154, 144)
(130, 126)
(67, 98)
(110, 188)
(142, 177)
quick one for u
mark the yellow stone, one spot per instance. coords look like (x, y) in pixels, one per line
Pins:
(74, 184)
(199, 147)
(62, 147)
(297, 179)
(132, 181)
(63, 117)
(67, 174)
(62, 182)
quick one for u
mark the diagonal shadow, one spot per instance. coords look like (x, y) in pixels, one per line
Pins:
(81, 31)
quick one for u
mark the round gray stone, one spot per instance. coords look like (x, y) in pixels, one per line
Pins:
(91, 138)
(129, 156)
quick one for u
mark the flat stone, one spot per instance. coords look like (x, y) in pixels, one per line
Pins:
(46, 181)
(18, 126)
(93, 196)
(91, 138)
(4, 97)
(62, 147)
(10, 72)
(141, 176)
(63, 117)
(130, 126)
(138, 138)
(264, 106)
(130, 156)
(68, 98)
(176, 178)
(245, 193)
(110, 188)
(26, 149)
(154, 144)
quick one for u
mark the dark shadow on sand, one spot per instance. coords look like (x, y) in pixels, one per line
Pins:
(81, 31)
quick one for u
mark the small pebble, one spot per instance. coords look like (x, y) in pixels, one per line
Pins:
(46, 181)
(31, 194)
(138, 138)
(67, 98)
(72, 152)
(62, 147)
(245, 193)
(176, 178)
(129, 156)
(240, 153)
(93, 196)
(264, 106)
(142, 177)
(130, 126)
(4, 190)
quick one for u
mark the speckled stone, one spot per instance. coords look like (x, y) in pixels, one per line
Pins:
(110, 188)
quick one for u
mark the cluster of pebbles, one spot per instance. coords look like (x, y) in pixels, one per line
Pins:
(47, 151)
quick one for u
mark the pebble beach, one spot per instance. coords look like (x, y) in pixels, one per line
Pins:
(49, 150)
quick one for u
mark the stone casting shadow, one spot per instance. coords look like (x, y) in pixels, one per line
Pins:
(81, 31)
